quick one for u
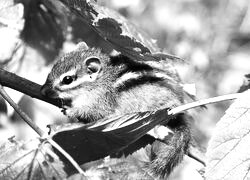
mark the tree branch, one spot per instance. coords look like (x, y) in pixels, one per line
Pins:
(25, 86)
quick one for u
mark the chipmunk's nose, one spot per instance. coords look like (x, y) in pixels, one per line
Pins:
(47, 91)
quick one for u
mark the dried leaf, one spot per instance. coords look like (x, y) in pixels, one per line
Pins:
(228, 151)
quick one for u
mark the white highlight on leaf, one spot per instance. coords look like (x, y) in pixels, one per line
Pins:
(114, 53)
(190, 88)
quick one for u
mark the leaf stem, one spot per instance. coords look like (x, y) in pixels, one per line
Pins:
(204, 102)
(23, 115)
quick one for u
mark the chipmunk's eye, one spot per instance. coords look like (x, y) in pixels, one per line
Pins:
(68, 80)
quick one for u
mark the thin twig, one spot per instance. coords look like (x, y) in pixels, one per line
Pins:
(66, 155)
(203, 102)
(23, 115)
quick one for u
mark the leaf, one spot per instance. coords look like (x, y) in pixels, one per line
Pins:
(124, 36)
(31, 160)
(108, 136)
(228, 151)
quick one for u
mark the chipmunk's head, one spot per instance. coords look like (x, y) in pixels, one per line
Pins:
(93, 85)
(81, 80)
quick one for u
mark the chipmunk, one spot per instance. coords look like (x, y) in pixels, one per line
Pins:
(94, 85)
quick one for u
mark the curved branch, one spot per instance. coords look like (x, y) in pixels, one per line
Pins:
(25, 86)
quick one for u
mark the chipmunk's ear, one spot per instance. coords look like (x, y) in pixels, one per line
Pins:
(93, 65)
(82, 46)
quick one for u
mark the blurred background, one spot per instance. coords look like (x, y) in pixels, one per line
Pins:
(212, 36)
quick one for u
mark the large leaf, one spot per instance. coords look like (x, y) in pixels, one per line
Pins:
(228, 151)
(122, 35)
(109, 135)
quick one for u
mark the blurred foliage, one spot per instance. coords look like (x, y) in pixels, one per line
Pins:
(212, 36)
